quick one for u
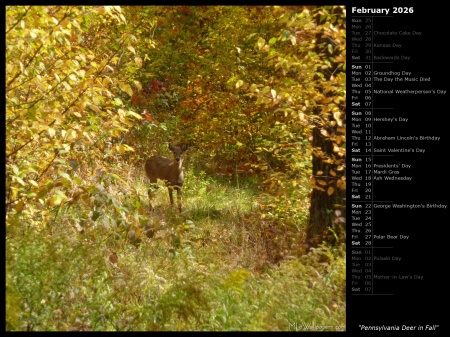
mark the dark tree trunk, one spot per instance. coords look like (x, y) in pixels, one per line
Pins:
(324, 206)
(327, 210)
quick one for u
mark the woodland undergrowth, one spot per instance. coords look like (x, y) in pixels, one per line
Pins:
(215, 266)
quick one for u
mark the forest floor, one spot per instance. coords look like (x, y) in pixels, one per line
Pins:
(216, 266)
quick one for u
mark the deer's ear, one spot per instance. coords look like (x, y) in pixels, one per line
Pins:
(184, 147)
(171, 148)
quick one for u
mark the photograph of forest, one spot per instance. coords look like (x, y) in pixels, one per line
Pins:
(175, 168)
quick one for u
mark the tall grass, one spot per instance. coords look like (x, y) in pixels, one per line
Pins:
(208, 268)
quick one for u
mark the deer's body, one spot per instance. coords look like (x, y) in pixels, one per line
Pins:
(171, 171)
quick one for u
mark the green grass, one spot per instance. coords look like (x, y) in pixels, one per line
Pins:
(208, 268)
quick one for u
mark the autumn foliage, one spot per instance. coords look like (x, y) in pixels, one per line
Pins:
(258, 93)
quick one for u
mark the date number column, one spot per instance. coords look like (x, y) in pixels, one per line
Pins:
(361, 243)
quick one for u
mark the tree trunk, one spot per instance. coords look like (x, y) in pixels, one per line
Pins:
(324, 206)
(327, 210)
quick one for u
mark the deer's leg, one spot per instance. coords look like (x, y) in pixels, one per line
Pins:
(150, 199)
(171, 195)
(150, 194)
(179, 198)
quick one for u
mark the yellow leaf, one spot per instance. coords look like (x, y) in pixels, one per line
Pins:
(68, 87)
(265, 89)
(293, 40)
(138, 61)
(105, 83)
(330, 190)
(274, 93)
(266, 100)
(19, 206)
(261, 42)
(130, 48)
(120, 149)
(64, 175)
(73, 134)
(332, 173)
(20, 181)
(129, 90)
(341, 184)
(138, 85)
(56, 200)
(239, 83)
(128, 148)
(337, 117)
(239, 144)
(319, 188)
(103, 63)
(51, 132)
(73, 77)
(34, 183)
(324, 133)
(132, 113)
(15, 169)
(126, 88)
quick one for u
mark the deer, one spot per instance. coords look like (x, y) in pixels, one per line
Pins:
(171, 171)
